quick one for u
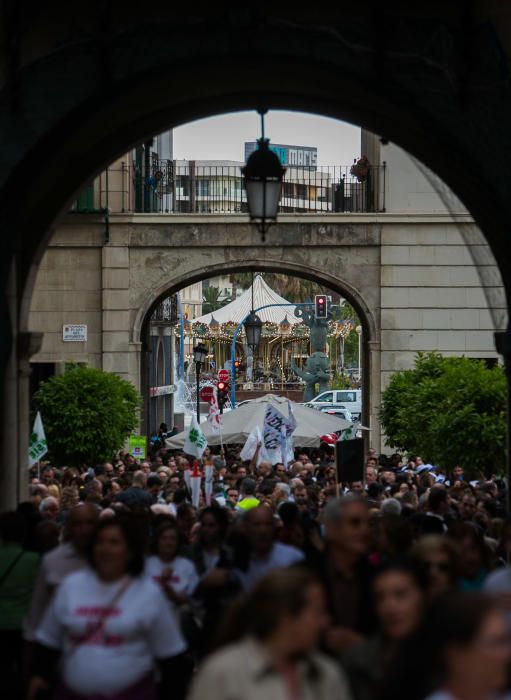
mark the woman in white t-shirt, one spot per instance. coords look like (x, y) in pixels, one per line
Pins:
(176, 575)
(109, 624)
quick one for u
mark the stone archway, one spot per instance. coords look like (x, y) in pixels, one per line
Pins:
(81, 84)
(368, 315)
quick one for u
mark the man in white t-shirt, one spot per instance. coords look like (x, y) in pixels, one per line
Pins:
(61, 561)
(265, 554)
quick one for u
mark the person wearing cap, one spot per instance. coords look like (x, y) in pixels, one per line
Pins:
(248, 498)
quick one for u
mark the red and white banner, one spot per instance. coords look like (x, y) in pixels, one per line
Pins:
(214, 416)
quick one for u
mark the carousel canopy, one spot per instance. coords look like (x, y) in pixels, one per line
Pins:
(241, 307)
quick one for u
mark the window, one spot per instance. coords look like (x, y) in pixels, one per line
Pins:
(326, 397)
(202, 188)
(346, 396)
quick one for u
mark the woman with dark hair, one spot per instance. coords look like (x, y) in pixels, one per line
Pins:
(398, 590)
(437, 556)
(175, 574)
(109, 624)
(465, 643)
(473, 555)
(280, 623)
(206, 552)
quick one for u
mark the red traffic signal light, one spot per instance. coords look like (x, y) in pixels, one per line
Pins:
(221, 394)
(237, 363)
(321, 306)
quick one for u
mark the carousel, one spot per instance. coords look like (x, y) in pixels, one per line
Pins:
(285, 338)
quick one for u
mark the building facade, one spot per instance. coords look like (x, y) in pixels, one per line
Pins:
(420, 275)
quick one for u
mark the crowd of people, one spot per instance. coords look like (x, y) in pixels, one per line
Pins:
(280, 583)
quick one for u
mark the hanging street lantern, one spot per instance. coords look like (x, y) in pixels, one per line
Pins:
(263, 175)
(200, 353)
(253, 328)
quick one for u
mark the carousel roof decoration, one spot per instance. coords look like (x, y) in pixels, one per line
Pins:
(277, 321)
(285, 325)
(214, 325)
(340, 328)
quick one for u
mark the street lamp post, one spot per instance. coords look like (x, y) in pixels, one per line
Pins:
(200, 352)
(358, 330)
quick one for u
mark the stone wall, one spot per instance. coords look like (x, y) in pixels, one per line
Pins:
(412, 279)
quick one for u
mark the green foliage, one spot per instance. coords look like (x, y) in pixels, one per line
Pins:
(450, 410)
(87, 414)
(211, 300)
(340, 381)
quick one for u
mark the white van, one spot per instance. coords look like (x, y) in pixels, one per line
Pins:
(350, 398)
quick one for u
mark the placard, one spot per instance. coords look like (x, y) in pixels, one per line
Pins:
(74, 333)
(137, 447)
(162, 390)
(349, 456)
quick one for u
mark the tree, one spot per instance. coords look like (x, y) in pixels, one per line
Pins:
(211, 300)
(450, 410)
(87, 414)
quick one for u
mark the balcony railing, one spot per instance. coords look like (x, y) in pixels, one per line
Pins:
(187, 187)
(166, 312)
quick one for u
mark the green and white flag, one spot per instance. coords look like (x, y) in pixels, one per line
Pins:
(349, 433)
(38, 446)
(196, 442)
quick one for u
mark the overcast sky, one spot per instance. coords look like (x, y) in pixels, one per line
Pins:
(222, 137)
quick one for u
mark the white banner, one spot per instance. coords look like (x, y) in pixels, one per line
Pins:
(38, 446)
(187, 477)
(286, 431)
(195, 478)
(209, 471)
(195, 442)
(273, 424)
(249, 448)
(214, 416)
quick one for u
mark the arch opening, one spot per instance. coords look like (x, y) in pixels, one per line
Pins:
(368, 358)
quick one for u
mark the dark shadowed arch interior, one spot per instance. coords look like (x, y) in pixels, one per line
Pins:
(83, 83)
(171, 91)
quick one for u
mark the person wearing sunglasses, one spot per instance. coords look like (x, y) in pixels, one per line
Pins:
(437, 556)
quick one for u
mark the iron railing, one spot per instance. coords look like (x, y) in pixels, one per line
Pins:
(189, 187)
(166, 311)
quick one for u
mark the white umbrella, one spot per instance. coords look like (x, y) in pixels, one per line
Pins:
(237, 424)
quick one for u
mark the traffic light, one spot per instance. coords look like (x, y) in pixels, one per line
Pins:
(221, 395)
(321, 306)
(237, 363)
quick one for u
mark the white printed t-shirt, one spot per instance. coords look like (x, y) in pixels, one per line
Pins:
(140, 627)
(183, 579)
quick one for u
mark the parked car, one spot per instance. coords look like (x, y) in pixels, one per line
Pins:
(340, 411)
(347, 398)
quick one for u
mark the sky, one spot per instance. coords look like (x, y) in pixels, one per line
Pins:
(222, 137)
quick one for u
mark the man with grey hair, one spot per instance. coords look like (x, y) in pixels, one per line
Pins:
(345, 571)
(49, 508)
(391, 506)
